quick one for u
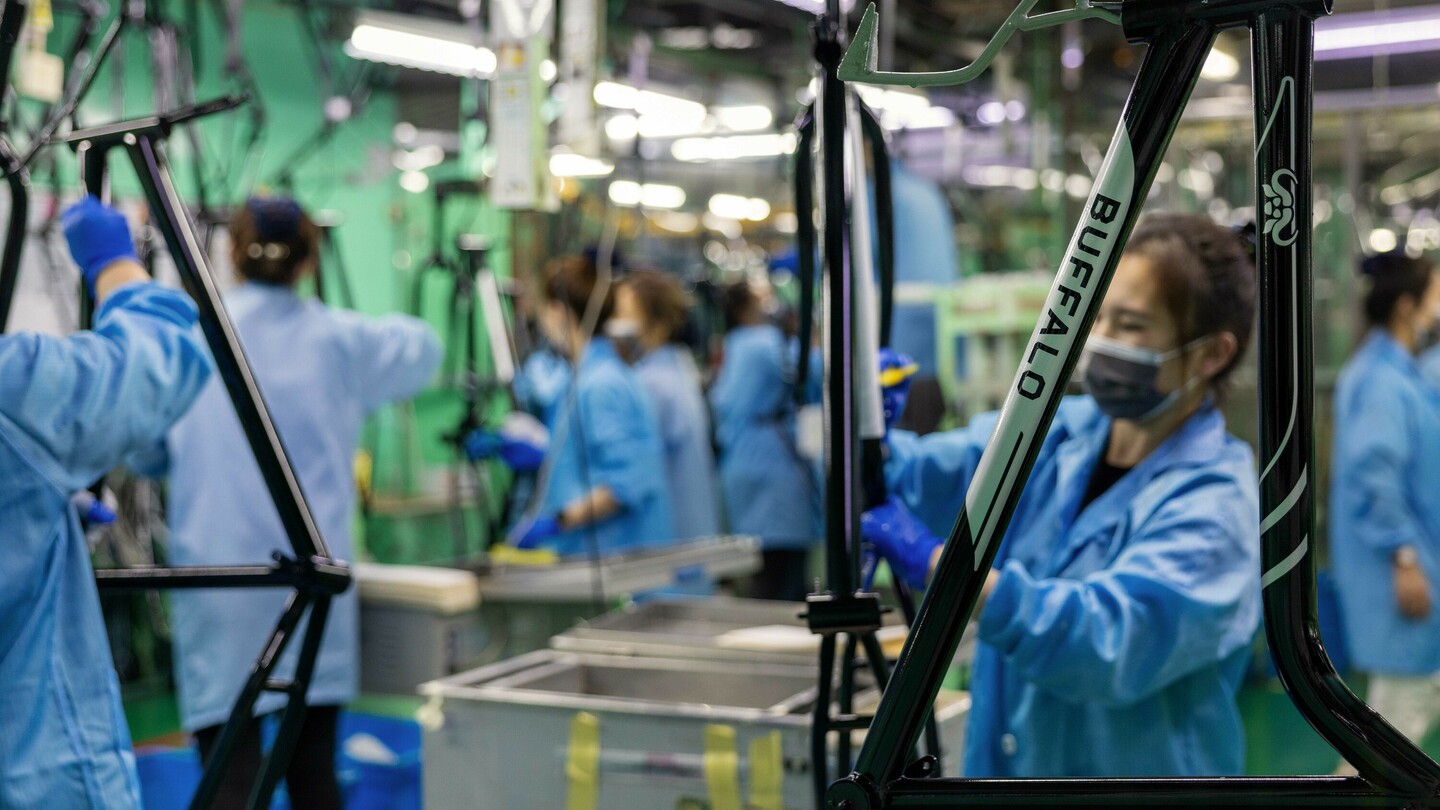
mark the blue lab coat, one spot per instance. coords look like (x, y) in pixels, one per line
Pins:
(672, 381)
(69, 411)
(606, 433)
(321, 372)
(1383, 475)
(1117, 636)
(540, 384)
(769, 491)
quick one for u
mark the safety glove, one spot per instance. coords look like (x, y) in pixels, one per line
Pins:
(531, 532)
(897, 536)
(98, 236)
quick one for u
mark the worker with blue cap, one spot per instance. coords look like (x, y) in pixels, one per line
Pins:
(322, 372)
(71, 409)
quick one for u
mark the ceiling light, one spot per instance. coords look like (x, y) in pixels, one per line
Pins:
(1383, 240)
(734, 206)
(651, 195)
(733, 147)
(744, 118)
(418, 159)
(1220, 66)
(1001, 177)
(416, 42)
(567, 164)
(548, 71)
(414, 182)
(676, 221)
(1405, 30)
(932, 118)
(991, 112)
(819, 6)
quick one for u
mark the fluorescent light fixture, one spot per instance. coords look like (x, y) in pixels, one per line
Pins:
(1220, 66)
(567, 164)
(414, 182)
(744, 118)
(991, 112)
(787, 222)
(653, 114)
(725, 226)
(676, 221)
(651, 195)
(548, 71)
(1001, 177)
(891, 100)
(416, 42)
(1383, 240)
(932, 118)
(419, 158)
(733, 147)
(1401, 30)
(734, 206)
(818, 6)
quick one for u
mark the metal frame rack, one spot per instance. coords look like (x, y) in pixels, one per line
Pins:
(1179, 34)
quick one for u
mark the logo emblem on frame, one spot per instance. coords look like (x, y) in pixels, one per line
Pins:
(1280, 223)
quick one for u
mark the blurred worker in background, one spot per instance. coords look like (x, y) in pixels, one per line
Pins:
(70, 410)
(769, 490)
(322, 372)
(651, 310)
(1126, 593)
(599, 490)
(1384, 511)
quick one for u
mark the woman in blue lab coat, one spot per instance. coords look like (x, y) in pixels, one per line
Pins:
(322, 372)
(1126, 593)
(650, 311)
(1384, 510)
(768, 489)
(70, 409)
(598, 489)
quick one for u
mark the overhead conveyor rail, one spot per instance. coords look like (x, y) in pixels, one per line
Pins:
(1179, 34)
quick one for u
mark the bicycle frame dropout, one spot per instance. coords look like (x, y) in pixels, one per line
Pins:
(1393, 771)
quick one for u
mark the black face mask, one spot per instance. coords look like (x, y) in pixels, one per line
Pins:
(1122, 377)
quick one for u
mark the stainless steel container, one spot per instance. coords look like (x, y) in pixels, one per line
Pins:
(512, 736)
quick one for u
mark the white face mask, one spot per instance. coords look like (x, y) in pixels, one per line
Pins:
(621, 328)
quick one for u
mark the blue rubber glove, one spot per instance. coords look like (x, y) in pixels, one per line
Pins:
(518, 454)
(901, 539)
(896, 372)
(98, 236)
(529, 534)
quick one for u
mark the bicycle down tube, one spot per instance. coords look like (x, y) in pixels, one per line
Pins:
(1394, 771)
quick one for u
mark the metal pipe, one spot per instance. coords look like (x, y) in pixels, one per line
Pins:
(241, 714)
(1171, 67)
(1283, 43)
(842, 417)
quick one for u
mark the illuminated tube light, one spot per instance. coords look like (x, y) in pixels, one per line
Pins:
(567, 164)
(733, 147)
(407, 41)
(651, 195)
(1403, 30)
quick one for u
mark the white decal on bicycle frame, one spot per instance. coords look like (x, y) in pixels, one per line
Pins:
(1038, 382)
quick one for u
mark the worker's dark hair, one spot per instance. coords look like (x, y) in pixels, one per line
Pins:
(1207, 278)
(272, 239)
(737, 301)
(1390, 277)
(570, 280)
(662, 300)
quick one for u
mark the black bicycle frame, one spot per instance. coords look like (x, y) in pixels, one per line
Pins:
(312, 573)
(1393, 771)
(12, 17)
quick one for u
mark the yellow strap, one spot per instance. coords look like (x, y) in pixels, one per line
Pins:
(767, 772)
(582, 763)
(722, 768)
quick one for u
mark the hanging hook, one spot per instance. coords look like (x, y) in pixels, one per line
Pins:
(859, 62)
